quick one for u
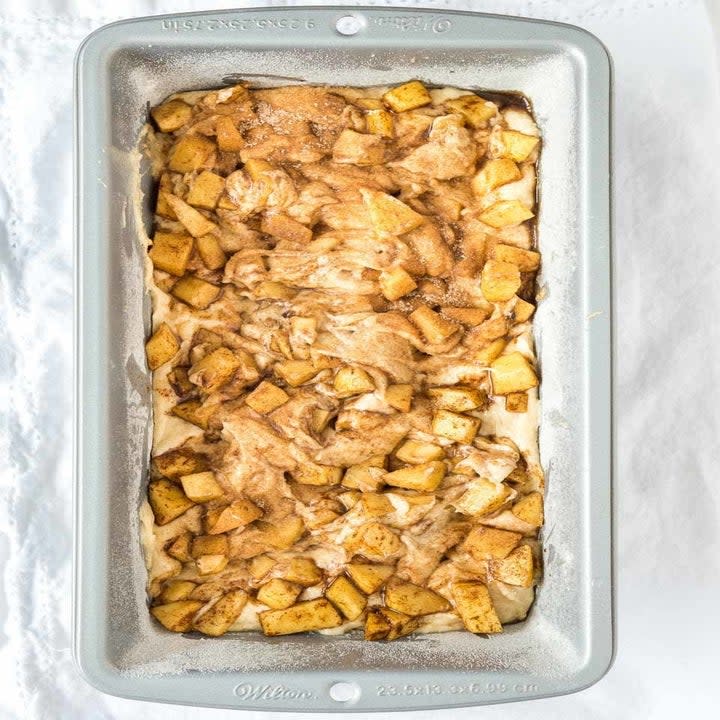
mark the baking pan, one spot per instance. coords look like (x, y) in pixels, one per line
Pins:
(567, 641)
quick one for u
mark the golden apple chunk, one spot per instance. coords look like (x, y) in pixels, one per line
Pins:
(473, 603)
(171, 252)
(172, 115)
(426, 476)
(167, 500)
(305, 616)
(346, 598)
(161, 347)
(512, 373)
(408, 96)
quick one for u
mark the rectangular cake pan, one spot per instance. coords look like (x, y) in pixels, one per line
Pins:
(566, 643)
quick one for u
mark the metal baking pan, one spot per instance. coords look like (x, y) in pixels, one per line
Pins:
(566, 643)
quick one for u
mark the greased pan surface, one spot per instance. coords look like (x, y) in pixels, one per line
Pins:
(567, 641)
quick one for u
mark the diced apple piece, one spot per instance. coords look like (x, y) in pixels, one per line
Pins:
(516, 402)
(206, 190)
(506, 213)
(266, 397)
(518, 477)
(317, 475)
(225, 203)
(495, 173)
(416, 452)
(260, 566)
(369, 578)
(193, 220)
(161, 347)
(215, 369)
(455, 427)
(310, 615)
(487, 543)
(284, 535)
(388, 214)
(486, 332)
(175, 590)
(474, 109)
(167, 500)
(296, 372)
(375, 541)
(195, 412)
(237, 514)
(165, 186)
(512, 373)
(351, 380)
(208, 590)
(530, 509)
(426, 476)
(432, 325)
(201, 487)
(219, 618)
(211, 252)
(208, 545)
(377, 626)
(278, 593)
(523, 310)
(171, 252)
(325, 362)
(499, 281)
(400, 623)
(274, 290)
(399, 397)
(473, 603)
(283, 227)
(303, 571)
(457, 398)
(211, 564)
(321, 516)
(356, 148)
(177, 616)
(482, 497)
(180, 461)
(191, 152)
(489, 353)
(526, 260)
(414, 600)
(229, 138)
(380, 122)
(346, 598)
(518, 146)
(378, 461)
(319, 419)
(375, 504)
(171, 115)
(179, 548)
(408, 96)
(195, 292)
(516, 568)
(466, 315)
(396, 283)
(258, 168)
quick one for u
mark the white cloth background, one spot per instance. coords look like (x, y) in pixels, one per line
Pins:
(667, 265)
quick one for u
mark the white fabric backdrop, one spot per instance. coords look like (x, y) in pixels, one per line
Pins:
(667, 260)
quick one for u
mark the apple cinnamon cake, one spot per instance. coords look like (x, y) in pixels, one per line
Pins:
(344, 381)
